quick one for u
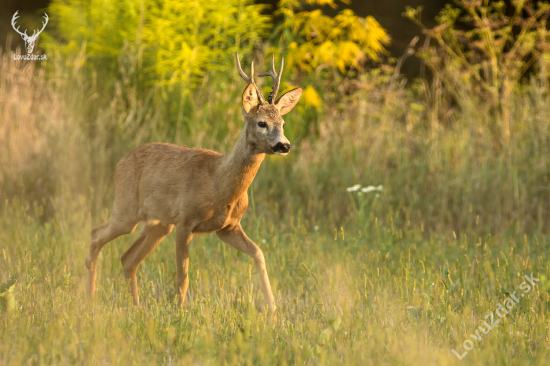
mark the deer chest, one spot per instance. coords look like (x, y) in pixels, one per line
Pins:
(221, 217)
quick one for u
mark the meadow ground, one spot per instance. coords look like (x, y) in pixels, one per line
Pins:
(379, 295)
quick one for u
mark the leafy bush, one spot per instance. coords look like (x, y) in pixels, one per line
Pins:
(180, 42)
(187, 39)
(313, 40)
(177, 41)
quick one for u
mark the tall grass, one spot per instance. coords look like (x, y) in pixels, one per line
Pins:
(384, 295)
(62, 138)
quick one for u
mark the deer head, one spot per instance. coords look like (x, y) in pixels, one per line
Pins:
(264, 125)
(29, 40)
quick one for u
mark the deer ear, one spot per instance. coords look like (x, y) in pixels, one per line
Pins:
(250, 98)
(288, 100)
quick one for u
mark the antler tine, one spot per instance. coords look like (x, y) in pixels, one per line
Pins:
(15, 16)
(276, 78)
(44, 24)
(241, 72)
(249, 80)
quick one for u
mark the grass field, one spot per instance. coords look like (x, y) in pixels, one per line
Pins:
(380, 295)
(403, 273)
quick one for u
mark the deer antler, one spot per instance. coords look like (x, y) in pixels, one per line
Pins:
(249, 80)
(25, 35)
(43, 26)
(276, 78)
(15, 16)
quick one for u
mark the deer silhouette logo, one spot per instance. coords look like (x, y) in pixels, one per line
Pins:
(29, 40)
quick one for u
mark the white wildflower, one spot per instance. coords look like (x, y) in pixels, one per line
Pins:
(263, 241)
(354, 188)
(316, 227)
(368, 189)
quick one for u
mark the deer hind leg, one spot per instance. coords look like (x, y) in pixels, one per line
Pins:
(148, 240)
(183, 239)
(100, 236)
(236, 237)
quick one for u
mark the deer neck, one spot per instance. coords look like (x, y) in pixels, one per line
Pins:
(238, 169)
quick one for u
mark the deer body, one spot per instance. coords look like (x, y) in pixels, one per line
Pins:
(198, 191)
(170, 183)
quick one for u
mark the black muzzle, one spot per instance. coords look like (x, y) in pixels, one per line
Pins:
(280, 147)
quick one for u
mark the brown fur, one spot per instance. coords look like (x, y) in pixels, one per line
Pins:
(196, 190)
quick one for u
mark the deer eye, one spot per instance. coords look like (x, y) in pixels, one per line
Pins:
(262, 124)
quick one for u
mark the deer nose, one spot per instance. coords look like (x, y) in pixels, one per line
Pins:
(280, 147)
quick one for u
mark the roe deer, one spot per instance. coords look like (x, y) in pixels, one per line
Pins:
(199, 191)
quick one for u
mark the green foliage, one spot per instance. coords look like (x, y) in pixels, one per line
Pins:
(179, 42)
(313, 40)
(182, 41)
(188, 39)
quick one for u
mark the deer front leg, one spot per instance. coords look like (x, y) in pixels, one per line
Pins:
(236, 237)
(183, 239)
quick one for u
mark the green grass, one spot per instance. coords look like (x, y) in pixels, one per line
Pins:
(381, 296)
